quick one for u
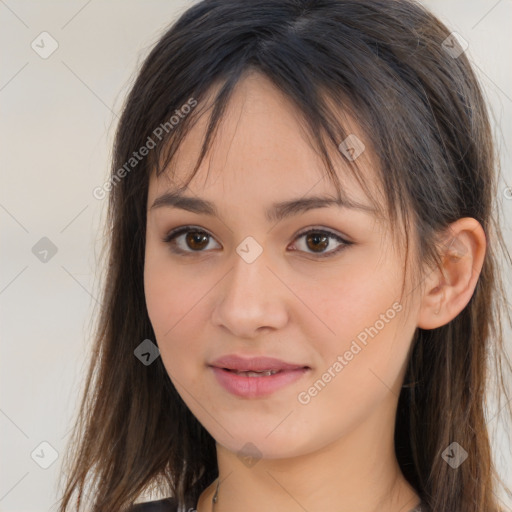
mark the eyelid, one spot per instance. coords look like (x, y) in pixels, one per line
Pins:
(344, 240)
(184, 229)
(322, 229)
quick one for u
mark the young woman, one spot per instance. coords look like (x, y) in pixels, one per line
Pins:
(303, 308)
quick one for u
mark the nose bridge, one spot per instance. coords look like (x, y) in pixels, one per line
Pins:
(250, 275)
(249, 297)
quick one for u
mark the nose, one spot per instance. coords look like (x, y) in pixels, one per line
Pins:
(251, 298)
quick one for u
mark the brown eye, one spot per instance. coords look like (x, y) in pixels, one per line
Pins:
(318, 240)
(196, 240)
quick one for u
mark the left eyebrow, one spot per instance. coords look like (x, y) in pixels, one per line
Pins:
(277, 212)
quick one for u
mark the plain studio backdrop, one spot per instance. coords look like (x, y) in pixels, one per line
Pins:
(60, 103)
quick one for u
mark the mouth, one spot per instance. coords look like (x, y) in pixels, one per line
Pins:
(246, 381)
(255, 366)
(248, 373)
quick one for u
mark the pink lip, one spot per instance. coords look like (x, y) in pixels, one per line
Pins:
(255, 364)
(254, 387)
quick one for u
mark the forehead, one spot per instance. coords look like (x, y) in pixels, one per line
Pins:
(262, 150)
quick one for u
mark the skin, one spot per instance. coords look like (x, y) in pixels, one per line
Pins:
(335, 453)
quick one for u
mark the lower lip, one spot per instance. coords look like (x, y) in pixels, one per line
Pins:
(254, 387)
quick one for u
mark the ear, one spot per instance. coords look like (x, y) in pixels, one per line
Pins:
(448, 290)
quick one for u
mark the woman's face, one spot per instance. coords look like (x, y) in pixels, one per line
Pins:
(253, 286)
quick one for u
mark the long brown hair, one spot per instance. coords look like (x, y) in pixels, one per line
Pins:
(405, 79)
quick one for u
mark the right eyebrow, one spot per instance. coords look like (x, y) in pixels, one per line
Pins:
(276, 212)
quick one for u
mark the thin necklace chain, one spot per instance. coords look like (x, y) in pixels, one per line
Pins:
(216, 497)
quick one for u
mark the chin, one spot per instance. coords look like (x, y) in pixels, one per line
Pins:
(257, 443)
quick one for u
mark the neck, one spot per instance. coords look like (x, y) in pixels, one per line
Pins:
(359, 471)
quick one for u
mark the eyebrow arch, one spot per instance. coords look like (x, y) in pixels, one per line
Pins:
(277, 212)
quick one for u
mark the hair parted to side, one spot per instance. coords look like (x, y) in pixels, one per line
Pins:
(383, 63)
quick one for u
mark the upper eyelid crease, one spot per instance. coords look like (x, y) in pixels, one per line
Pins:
(277, 212)
(175, 233)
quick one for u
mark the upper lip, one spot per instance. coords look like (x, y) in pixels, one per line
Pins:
(256, 364)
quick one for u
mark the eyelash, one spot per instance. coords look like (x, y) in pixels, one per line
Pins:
(172, 235)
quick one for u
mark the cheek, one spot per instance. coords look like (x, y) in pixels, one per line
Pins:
(175, 298)
(169, 293)
(361, 365)
(350, 299)
(366, 325)
(170, 299)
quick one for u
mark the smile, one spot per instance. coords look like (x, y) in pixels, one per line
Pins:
(255, 384)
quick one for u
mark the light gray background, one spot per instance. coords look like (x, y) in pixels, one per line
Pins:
(58, 117)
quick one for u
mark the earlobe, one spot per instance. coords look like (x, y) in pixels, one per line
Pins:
(447, 291)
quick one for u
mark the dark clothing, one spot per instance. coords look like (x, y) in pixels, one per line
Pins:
(165, 505)
(170, 505)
